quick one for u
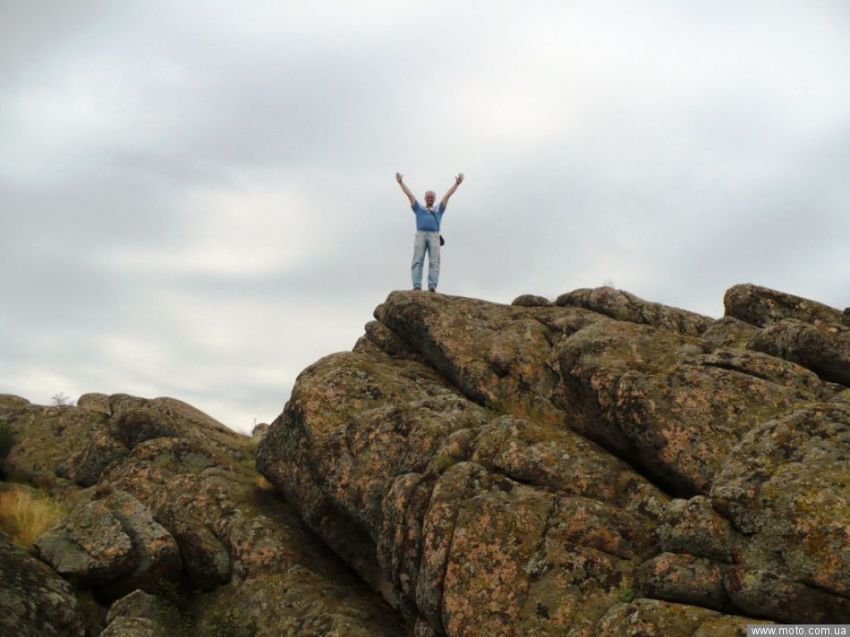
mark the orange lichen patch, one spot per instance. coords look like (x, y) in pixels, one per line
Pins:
(572, 586)
(559, 460)
(683, 578)
(604, 528)
(494, 537)
(693, 527)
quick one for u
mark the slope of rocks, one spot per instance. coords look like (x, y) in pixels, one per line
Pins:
(169, 527)
(600, 465)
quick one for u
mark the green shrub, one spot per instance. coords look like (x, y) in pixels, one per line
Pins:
(181, 623)
(173, 613)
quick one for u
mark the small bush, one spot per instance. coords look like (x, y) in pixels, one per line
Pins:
(173, 614)
(26, 514)
(61, 399)
(180, 623)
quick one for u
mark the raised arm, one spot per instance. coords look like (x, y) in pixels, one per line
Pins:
(404, 187)
(451, 191)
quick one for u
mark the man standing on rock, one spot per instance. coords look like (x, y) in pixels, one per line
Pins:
(427, 233)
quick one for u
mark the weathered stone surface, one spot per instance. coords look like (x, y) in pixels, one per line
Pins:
(95, 402)
(157, 557)
(89, 546)
(380, 339)
(135, 420)
(458, 517)
(804, 383)
(694, 527)
(299, 603)
(656, 398)
(102, 450)
(825, 349)
(654, 618)
(138, 614)
(138, 425)
(532, 300)
(400, 436)
(45, 438)
(529, 469)
(34, 600)
(762, 306)
(500, 356)
(206, 559)
(496, 518)
(228, 529)
(184, 491)
(785, 487)
(112, 541)
(623, 306)
(729, 332)
(9, 400)
(683, 578)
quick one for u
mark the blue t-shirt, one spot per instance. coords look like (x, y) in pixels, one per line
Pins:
(428, 221)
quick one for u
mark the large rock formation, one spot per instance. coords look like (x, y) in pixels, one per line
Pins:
(597, 466)
(163, 499)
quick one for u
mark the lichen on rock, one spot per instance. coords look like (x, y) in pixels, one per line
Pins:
(601, 465)
(579, 468)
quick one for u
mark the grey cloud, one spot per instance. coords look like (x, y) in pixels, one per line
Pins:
(217, 200)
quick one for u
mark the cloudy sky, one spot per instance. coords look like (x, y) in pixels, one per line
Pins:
(198, 199)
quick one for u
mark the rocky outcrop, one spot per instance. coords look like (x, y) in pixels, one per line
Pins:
(34, 600)
(532, 300)
(138, 614)
(164, 500)
(600, 466)
(113, 544)
(89, 546)
(825, 349)
(761, 306)
(622, 306)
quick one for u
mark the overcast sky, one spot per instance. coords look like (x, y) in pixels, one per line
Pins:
(198, 198)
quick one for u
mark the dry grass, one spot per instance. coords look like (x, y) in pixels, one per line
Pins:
(25, 514)
(261, 483)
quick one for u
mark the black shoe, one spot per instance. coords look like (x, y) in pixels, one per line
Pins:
(417, 289)
(432, 289)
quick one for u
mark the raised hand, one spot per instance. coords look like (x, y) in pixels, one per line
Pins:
(459, 179)
(405, 189)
